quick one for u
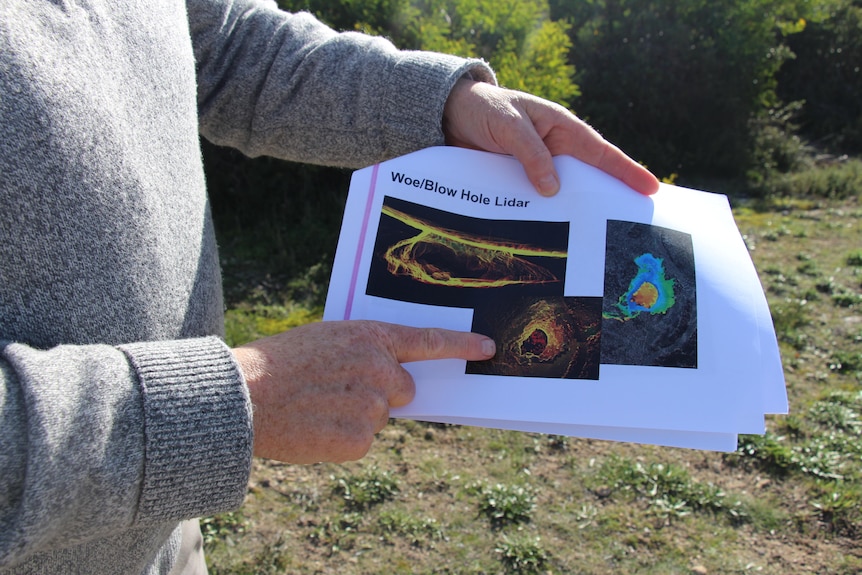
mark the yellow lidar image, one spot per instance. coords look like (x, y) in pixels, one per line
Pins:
(439, 256)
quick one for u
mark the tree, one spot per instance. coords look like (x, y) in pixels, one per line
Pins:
(527, 50)
(826, 74)
(677, 83)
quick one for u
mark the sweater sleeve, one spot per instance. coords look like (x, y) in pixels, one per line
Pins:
(98, 439)
(285, 85)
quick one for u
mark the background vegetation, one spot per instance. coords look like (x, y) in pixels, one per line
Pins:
(733, 96)
(759, 100)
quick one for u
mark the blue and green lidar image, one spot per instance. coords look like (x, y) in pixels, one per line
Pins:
(649, 308)
(649, 291)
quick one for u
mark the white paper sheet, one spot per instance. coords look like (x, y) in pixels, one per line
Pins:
(455, 238)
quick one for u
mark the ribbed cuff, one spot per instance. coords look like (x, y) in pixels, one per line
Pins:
(197, 428)
(420, 84)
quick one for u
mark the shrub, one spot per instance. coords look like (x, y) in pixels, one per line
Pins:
(839, 180)
(670, 491)
(506, 504)
(370, 488)
(522, 555)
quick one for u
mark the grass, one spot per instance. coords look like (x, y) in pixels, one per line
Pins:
(446, 499)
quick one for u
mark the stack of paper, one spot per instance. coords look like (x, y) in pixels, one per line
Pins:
(616, 316)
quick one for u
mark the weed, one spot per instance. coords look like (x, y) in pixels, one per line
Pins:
(839, 509)
(523, 555)
(420, 532)
(505, 504)
(840, 180)
(558, 442)
(218, 527)
(586, 515)
(847, 362)
(336, 534)
(846, 299)
(854, 259)
(372, 487)
(767, 451)
(670, 491)
(808, 268)
(826, 286)
(834, 413)
(787, 317)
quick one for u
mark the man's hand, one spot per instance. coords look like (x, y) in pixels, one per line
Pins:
(321, 391)
(486, 117)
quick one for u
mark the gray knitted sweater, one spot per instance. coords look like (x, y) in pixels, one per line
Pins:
(121, 411)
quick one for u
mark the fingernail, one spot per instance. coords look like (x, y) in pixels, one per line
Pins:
(549, 185)
(489, 348)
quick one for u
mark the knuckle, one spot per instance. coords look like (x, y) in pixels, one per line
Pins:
(434, 342)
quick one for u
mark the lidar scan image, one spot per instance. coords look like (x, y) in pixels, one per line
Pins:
(550, 337)
(649, 307)
(424, 255)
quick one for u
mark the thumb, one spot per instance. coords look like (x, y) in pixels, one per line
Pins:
(527, 146)
(540, 169)
(419, 344)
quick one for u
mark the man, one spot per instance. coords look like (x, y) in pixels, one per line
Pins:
(122, 413)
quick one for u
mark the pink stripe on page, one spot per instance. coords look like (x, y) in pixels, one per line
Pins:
(349, 308)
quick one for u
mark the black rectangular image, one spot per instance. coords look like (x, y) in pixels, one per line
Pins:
(550, 337)
(649, 310)
(429, 256)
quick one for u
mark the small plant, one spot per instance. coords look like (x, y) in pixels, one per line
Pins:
(854, 259)
(420, 532)
(788, 317)
(360, 492)
(839, 508)
(769, 452)
(586, 515)
(221, 526)
(669, 490)
(808, 268)
(846, 299)
(843, 180)
(826, 286)
(336, 534)
(558, 442)
(506, 504)
(522, 555)
(835, 414)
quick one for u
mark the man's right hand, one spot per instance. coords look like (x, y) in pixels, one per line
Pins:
(320, 392)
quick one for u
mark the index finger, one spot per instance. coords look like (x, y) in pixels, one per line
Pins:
(419, 344)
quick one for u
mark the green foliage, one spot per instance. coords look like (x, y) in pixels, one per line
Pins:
(777, 148)
(524, 555)
(854, 258)
(370, 488)
(844, 361)
(676, 84)
(336, 534)
(218, 527)
(826, 74)
(669, 490)
(505, 505)
(788, 317)
(249, 322)
(527, 50)
(770, 453)
(274, 220)
(839, 507)
(828, 449)
(837, 180)
(421, 532)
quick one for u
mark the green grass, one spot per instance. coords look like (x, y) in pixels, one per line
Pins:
(446, 499)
